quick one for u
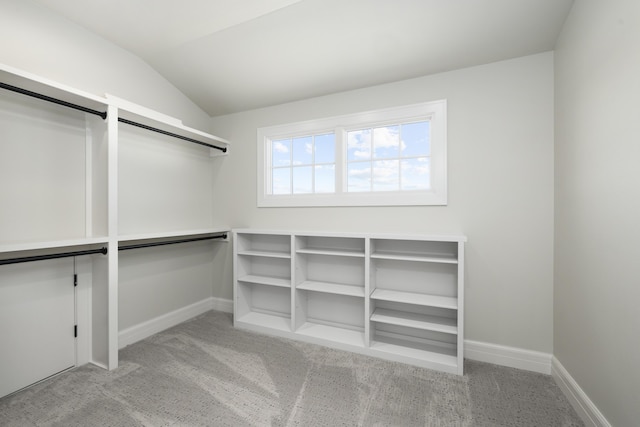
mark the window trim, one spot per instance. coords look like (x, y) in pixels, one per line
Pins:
(434, 111)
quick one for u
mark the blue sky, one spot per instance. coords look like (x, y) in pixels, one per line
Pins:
(386, 158)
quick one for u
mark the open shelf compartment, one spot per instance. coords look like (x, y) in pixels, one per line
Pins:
(415, 250)
(330, 274)
(263, 245)
(263, 306)
(330, 317)
(336, 246)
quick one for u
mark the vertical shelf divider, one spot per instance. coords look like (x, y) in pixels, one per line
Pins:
(112, 215)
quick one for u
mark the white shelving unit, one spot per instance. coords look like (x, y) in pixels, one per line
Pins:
(399, 297)
(90, 150)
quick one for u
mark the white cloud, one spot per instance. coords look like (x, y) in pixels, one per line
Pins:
(280, 147)
(359, 143)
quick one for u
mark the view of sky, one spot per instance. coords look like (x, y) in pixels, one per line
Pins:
(387, 158)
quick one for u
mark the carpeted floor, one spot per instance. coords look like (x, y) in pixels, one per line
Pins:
(205, 373)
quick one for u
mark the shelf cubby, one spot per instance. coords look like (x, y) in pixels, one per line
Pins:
(415, 250)
(333, 274)
(263, 306)
(333, 246)
(330, 317)
(415, 316)
(261, 245)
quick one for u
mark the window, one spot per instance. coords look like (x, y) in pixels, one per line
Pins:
(386, 157)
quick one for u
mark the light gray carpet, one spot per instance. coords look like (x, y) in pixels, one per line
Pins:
(205, 373)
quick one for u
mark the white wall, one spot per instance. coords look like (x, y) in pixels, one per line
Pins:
(500, 127)
(37, 40)
(597, 268)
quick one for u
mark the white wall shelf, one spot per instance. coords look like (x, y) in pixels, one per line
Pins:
(399, 297)
(173, 234)
(55, 244)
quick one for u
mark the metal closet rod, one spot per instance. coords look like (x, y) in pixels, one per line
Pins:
(175, 135)
(102, 251)
(53, 100)
(171, 242)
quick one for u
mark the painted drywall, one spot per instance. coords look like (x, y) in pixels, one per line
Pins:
(597, 205)
(37, 40)
(500, 148)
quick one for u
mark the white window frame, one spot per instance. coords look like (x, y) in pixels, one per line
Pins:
(435, 112)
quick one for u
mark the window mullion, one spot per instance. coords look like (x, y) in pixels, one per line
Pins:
(340, 158)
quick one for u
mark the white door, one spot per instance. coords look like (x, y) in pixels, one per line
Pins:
(37, 313)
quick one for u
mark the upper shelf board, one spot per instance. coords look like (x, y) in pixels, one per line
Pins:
(31, 82)
(145, 116)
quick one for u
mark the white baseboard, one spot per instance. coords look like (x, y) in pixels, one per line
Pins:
(512, 357)
(146, 329)
(585, 408)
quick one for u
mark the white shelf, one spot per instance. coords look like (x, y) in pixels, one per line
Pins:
(270, 321)
(332, 288)
(173, 234)
(332, 333)
(408, 256)
(415, 298)
(137, 113)
(267, 254)
(33, 83)
(31, 246)
(414, 320)
(332, 252)
(265, 280)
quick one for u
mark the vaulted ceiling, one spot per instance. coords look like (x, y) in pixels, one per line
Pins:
(236, 55)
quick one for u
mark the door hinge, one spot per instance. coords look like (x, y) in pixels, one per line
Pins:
(75, 331)
(75, 280)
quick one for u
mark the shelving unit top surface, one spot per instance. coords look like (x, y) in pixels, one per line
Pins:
(445, 237)
(332, 288)
(415, 298)
(29, 246)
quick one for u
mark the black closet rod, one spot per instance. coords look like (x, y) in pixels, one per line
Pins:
(102, 251)
(171, 242)
(175, 135)
(53, 100)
